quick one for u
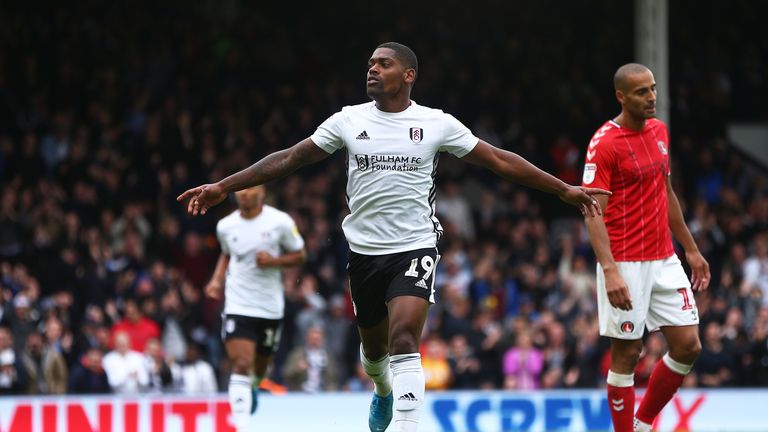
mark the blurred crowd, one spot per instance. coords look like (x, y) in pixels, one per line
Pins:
(107, 113)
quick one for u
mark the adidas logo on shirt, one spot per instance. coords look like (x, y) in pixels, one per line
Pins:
(363, 136)
(421, 284)
(408, 397)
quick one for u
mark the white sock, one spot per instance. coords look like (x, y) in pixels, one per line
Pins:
(408, 388)
(380, 373)
(641, 427)
(620, 380)
(676, 366)
(240, 400)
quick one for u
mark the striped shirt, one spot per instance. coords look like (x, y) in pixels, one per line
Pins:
(634, 166)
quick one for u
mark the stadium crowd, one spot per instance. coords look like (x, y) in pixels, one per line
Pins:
(108, 113)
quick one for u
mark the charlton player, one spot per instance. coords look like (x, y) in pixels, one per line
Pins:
(641, 281)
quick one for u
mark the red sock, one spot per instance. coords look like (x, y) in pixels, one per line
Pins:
(621, 400)
(662, 386)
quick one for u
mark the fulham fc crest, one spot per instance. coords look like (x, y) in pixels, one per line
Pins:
(417, 134)
(362, 162)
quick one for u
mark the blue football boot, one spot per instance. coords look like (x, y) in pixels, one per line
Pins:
(380, 414)
(254, 399)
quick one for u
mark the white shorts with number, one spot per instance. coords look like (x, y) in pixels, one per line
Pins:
(661, 296)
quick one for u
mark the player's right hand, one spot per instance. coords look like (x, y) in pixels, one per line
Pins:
(584, 199)
(617, 290)
(213, 290)
(202, 198)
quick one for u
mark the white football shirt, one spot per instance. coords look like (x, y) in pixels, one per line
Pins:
(250, 290)
(391, 166)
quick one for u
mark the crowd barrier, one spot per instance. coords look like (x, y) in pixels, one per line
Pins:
(472, 411)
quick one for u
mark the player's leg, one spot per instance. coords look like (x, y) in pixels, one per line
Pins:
(625, 328)
(406, 321)
(669, 373)
(260, 366)
(240, 352)
(621, 382)
(268, 338)
(374, 355)
(673, 310)
(368, 286)
(409, 297)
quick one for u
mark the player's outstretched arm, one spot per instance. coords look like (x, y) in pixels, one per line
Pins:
(700, 275)
(511, 166)
(272, 167)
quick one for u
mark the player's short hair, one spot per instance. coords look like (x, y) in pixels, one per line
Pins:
(404, 54)
(623, 72)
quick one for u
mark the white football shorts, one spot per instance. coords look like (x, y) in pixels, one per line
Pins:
(661, 296)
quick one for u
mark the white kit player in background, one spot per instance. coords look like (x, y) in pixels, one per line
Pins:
(392, 147)
(256, 242)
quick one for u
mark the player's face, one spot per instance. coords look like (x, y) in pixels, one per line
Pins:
(250, 198)
(639, 99)
(386, 74)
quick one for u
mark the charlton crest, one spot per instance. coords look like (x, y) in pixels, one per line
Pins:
(417, 134)
(627, 327)
(662, 147)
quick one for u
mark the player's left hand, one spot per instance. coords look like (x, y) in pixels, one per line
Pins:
(700, 275)
(263, 259)
(582, 198)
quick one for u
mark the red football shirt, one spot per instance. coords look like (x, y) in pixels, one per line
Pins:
(634, 165)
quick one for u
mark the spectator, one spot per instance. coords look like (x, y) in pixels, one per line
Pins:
(58, 340)
(197, 376)
(523, 364)
(157, 367)
(13, 376)
(88, 376)
(485, 339)
(25, 319)
(581, 363)
(756, 267)
(45, 367)
(455, 209)
(715, 365)
(125, 367)
(434, 360)
(311, 306)
(311, 368)
(555, 350)
(338, 324)
(759, 352)
(140, 328)
(465, 366)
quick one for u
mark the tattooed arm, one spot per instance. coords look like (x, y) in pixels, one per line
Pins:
(272, 167)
